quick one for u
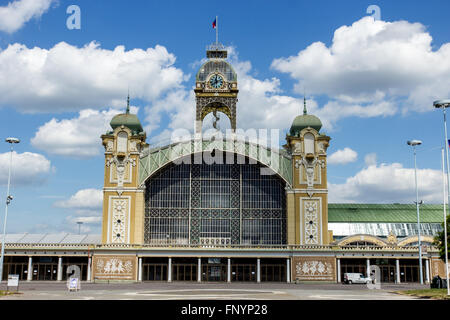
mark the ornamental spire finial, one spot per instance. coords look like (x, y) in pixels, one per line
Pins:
(304, 105)
(128, 102)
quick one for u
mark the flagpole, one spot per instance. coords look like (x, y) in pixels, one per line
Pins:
(217, 30)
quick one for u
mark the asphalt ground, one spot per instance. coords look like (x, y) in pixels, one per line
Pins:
(46, 290)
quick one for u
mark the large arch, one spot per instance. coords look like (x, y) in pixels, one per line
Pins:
(412, 239)
(362, 237)
(221, 204)
(152, 160)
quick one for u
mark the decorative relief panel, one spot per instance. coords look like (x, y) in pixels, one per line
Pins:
(121, 170)
(310, 171)
(119, 220)
(311, 221)
(314, 268)
(114, 267)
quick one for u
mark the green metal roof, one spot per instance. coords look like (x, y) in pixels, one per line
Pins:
(304, 121)
(400, 213)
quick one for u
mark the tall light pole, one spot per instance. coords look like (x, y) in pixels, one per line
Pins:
(415, 143)
(79, 226)
(445, 104)
(8, 201)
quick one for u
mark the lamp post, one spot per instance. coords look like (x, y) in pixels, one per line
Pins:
(445, 104)
(415, 143)
(8, 201)
(79, 226)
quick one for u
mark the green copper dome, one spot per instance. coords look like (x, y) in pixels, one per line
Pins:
(304, 121)
(128, 120)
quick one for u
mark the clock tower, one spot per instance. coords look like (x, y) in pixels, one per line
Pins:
(215, 87)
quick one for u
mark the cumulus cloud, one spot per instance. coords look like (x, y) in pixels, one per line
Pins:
(17, 13)
(77, 137)
(27, 168)
(83, 199)
(68, 78)
(84, 206)
(343, 156)
(373, 62)
(388, 183)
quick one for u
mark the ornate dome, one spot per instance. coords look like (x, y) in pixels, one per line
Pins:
(304, 121)
(216, 65)
(128, 120)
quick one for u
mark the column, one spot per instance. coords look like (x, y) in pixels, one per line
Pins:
(288, 270)
(368, 268)
(140, 270)
(89, 273)
(427, 270)
(258, 270)
(199, 270)
(338, 262)
(397, 269)
(229, 270)
(30, 269)
(59, 271)
(169, 271)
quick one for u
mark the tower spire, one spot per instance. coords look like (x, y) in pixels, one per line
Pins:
(128, 102)
(304, 105)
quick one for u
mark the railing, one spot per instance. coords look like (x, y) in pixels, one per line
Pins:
(332, 248)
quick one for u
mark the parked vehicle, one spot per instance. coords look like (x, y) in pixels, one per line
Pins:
(350, 278)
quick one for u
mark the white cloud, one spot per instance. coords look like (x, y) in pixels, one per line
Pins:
(388, 183)
(27, 168)
(77, 137)
(68, 78)
(85, 206)
(17, 13)
(343, 156)
(374, 61)
(83, 199)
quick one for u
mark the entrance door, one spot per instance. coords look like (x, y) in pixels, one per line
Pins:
(184, 272)
(214, 272)
(243, 272)
(154, 272)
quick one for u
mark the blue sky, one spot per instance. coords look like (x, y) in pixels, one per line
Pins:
(372, 83)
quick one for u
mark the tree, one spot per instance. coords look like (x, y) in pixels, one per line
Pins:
(439, 240)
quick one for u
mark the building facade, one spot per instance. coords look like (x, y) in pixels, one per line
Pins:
(224, 208)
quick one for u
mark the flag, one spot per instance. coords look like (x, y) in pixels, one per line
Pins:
(214, 24)
(448, 143)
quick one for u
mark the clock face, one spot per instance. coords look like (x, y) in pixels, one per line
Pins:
(216, 81)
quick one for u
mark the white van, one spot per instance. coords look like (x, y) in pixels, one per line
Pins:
(350, 278)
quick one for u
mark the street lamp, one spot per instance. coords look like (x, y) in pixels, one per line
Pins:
(79, 226)
(445, 104)
(8, 201)
(415, 143)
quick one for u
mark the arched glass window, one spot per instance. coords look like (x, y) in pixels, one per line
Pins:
(122, 142)
(218, 204)
(309, 143)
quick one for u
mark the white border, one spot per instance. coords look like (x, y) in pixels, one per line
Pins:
(127, 238)
(302, 220)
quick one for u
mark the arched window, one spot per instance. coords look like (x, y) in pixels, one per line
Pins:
(122, 142)
(309, 143)
(218, 204)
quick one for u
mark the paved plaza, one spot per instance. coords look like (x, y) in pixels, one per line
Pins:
(207, 291)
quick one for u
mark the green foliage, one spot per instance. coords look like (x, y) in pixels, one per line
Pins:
(439, 240)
